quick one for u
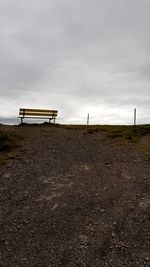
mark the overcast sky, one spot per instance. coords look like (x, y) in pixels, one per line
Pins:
(77, 56)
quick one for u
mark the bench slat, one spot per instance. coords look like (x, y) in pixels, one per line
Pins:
(38, 114)
(37, 110)
(39, 118)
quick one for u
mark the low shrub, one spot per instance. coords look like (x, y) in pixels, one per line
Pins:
(8, 141)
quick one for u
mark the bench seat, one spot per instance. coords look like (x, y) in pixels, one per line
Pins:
(38, 114)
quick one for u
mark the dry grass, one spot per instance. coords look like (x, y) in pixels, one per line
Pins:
(131, 133)
(137, 135)
(8, 141)
(9, 144)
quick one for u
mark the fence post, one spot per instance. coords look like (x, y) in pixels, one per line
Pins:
(135, 117)
(88, 119)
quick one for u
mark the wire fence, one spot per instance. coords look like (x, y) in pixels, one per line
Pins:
(132, 118)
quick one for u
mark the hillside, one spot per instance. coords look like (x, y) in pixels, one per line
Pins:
(75, 196)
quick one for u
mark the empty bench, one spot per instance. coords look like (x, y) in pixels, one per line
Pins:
(38, 114)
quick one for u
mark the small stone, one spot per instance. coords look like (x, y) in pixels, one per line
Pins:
(70, 184)
(114, 223)
(60, 185)
(102, 210)
(83, 238)
(6, 175)
(26, 222)
(86, 168)
(113, 234)
(6, 243)
(26, 207)
(55, 206)
(147, 258)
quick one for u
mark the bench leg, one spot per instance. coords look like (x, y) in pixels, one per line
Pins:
(21, 120)
(49, 120)
(54, 120)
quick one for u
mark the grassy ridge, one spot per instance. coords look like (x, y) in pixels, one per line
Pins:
(132, 133)
(10, 140)
(138, 135)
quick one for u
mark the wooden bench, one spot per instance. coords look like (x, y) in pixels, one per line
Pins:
(37, 114)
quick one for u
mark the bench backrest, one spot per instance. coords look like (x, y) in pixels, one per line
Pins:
(37, 112)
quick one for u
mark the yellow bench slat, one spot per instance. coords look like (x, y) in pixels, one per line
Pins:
(37, 114)
(37, 110)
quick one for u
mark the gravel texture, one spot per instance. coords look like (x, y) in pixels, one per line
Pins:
(72, 198)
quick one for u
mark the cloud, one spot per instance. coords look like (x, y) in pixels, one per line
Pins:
(76, 56)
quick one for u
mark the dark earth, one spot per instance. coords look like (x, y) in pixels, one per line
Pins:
(73, 198)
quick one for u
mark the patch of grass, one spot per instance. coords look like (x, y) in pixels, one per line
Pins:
(92, 130)
(147, 154)
(9, 144)
(73, 127)
(38, 125)
(8, 141)
(131, 133)
(134, 133)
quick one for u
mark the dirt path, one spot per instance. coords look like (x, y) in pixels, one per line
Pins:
(71, 198)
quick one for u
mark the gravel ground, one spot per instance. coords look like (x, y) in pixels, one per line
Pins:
(72, 198)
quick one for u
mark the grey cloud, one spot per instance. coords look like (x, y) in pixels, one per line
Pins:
(75, 56)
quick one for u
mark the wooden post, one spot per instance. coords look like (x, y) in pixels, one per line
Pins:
(88, 119)
(135, 117)
(23, 116)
